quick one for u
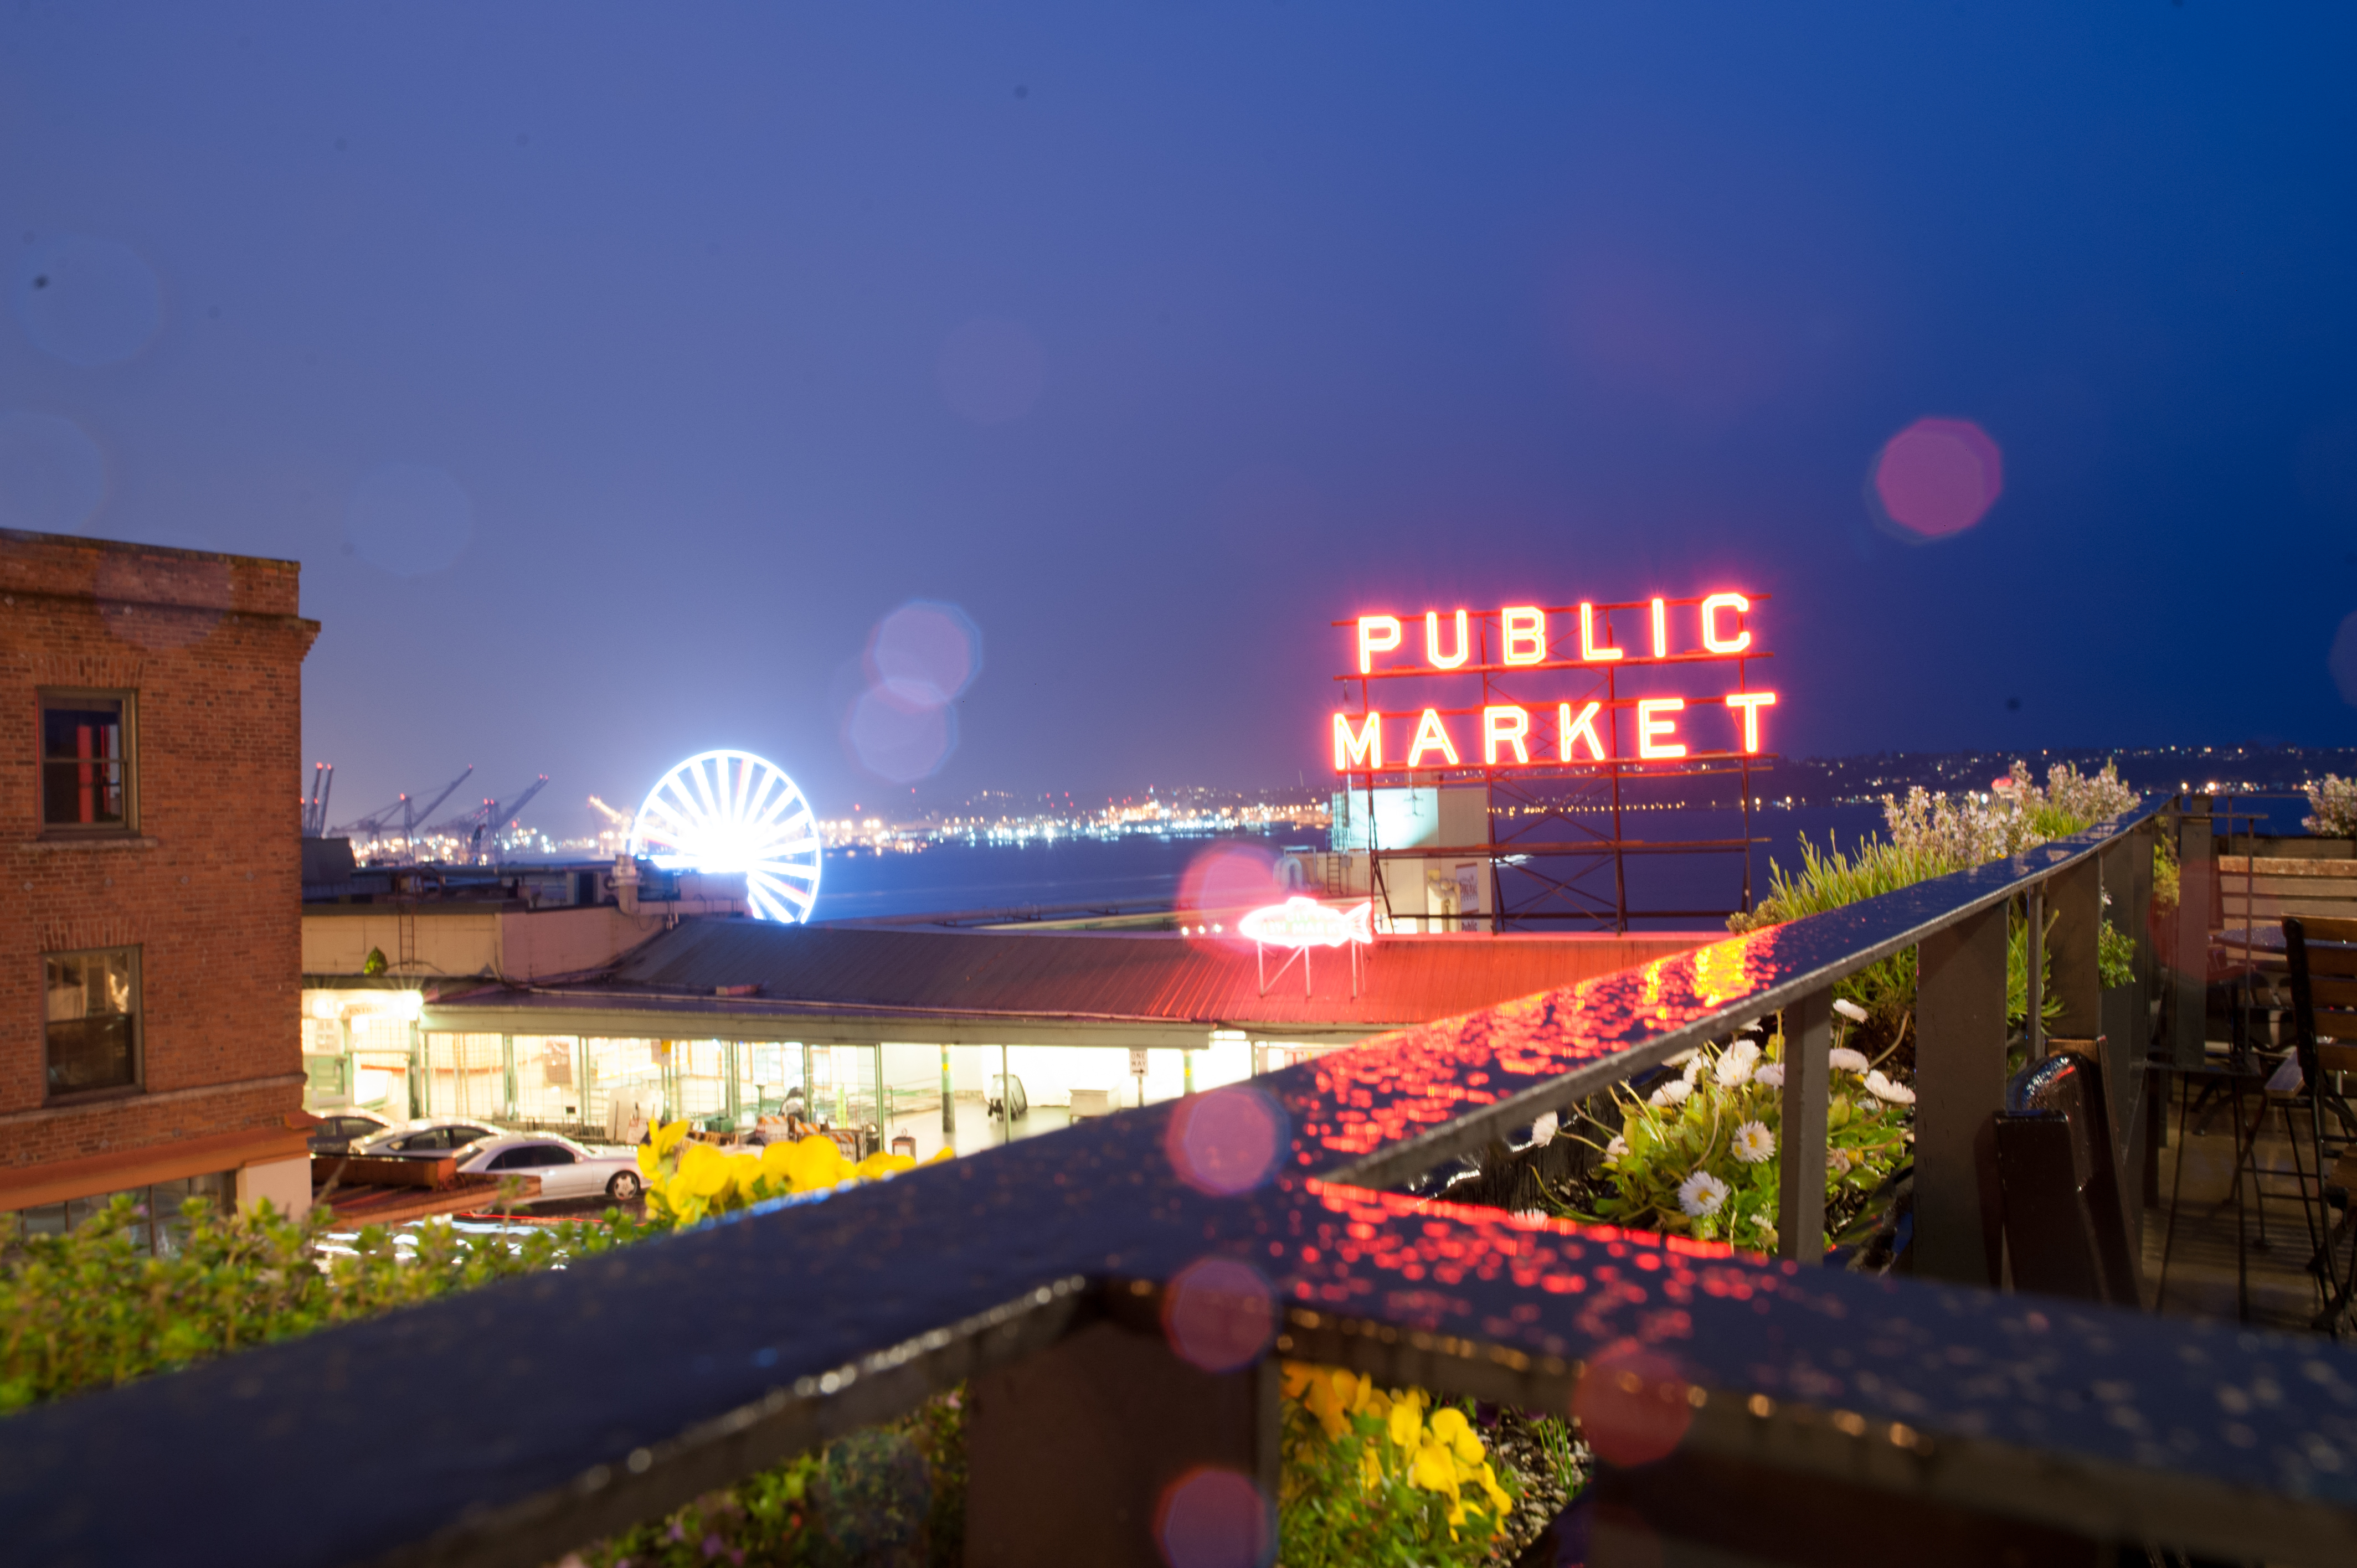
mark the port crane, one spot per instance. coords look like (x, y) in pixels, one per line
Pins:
(481, 826)
(401, 819)
(315, 809)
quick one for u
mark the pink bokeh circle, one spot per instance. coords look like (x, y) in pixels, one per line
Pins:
(1936, 478)
(1212, 1517)
(1219, 1314)
(1226, 1141)
(1631, 1404)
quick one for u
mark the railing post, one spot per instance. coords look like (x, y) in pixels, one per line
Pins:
(2076, 898)
(1071, 1454)
(2189, 960)
(1801, 1168)
(1959, 1088)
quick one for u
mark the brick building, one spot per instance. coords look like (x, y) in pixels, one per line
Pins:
(150, 937)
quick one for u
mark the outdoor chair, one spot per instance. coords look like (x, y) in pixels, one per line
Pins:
(2321, 954)
(2064, 1229)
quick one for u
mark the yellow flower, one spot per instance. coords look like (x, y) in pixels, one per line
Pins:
(815, 1162)
(1500, 1502)
(883, 1164)
(1406, 1421)
(649, 1163)
(947, 1153)
(704, 1170)
(1447, 1424)
(1433, 1470)
(667, 1136)
(1370, 1469)
(1298, 1374)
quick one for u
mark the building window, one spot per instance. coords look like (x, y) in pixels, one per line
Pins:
(94, 1020)
(86, 776)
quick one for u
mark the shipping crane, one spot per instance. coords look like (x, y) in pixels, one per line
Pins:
(315, 809)
(480, 827)
(401, 818)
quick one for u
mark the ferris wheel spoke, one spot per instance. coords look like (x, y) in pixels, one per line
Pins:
(731, 811)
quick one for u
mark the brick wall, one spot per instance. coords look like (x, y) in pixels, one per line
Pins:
(207, 885)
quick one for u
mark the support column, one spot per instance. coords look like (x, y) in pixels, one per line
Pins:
(733, 1100)
(2075, 901)
(949, 1104)
(1800, 1160)
(1959, 1089)
(1069, 1454)
(508, 1075)
(2189, 958)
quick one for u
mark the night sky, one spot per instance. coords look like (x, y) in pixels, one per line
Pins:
(615, 371)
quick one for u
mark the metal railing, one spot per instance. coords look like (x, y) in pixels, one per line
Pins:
(1068, 1278)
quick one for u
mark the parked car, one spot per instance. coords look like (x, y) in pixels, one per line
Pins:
(428, 1137)
(565, 1170)
(339, 1130)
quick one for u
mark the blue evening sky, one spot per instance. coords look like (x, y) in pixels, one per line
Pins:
(613, 371)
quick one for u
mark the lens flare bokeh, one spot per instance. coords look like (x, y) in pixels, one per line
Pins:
(2343, 660)
(1631, 1403)
(1212, 1517)
(1219, 1314)
(1226, 1141)
(1934, 479)
(919, 660)
(1227, 880)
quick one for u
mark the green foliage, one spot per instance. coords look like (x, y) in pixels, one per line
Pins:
(1832, 879)
(2115, 956)
(94, 1308)
(891, 1494)
(1699, 1155)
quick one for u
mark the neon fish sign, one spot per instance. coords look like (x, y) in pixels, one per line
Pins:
(1303, 923)
(1513, 645)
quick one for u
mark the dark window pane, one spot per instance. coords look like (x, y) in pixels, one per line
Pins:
(510, 1160)
(83, 765)
(92, 1022)
(553, 1154)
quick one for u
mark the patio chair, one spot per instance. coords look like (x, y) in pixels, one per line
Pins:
(2064, 1229)
(2321, 954)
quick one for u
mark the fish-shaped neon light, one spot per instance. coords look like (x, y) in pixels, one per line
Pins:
(1306, 923)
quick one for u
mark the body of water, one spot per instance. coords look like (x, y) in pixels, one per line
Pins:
(949, 877)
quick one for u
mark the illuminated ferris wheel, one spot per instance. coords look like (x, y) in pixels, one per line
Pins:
(731, 811)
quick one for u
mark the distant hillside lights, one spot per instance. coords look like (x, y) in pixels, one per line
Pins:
(1520, 640)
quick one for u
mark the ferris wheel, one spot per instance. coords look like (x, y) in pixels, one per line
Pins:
(731, 811)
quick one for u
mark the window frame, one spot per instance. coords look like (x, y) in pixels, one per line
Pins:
(48, 697)
(137, 1014)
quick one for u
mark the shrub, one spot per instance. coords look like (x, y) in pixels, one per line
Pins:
(2332, 801)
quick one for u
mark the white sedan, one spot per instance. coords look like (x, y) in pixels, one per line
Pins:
(565, 1170)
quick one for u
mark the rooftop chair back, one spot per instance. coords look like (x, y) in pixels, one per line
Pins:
(2321, 954)
(2064, 1229)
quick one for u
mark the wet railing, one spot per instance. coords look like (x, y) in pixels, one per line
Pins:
(1116, 1294)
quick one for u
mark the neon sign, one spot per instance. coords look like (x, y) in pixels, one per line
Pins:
(1533, 728)
(1301, 924)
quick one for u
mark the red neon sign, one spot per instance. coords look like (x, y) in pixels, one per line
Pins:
(1515, 646)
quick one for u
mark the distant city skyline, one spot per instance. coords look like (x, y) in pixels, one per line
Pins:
(1022, 395)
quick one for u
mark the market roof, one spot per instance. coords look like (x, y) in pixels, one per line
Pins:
(791, 977)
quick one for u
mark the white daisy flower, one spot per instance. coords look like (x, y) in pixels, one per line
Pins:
(1618, 1149)
(1694, 1070)
(1543, 1130)
(1844, 1059)
(1672, 1093)
(1754, 1144)
(1701, 1194)
(1768, 1237)
(1849, 1009)
(1882, 1087)
(1770, 1075)
(1734, 1069)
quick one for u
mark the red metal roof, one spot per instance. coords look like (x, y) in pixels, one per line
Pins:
(1403, 979)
